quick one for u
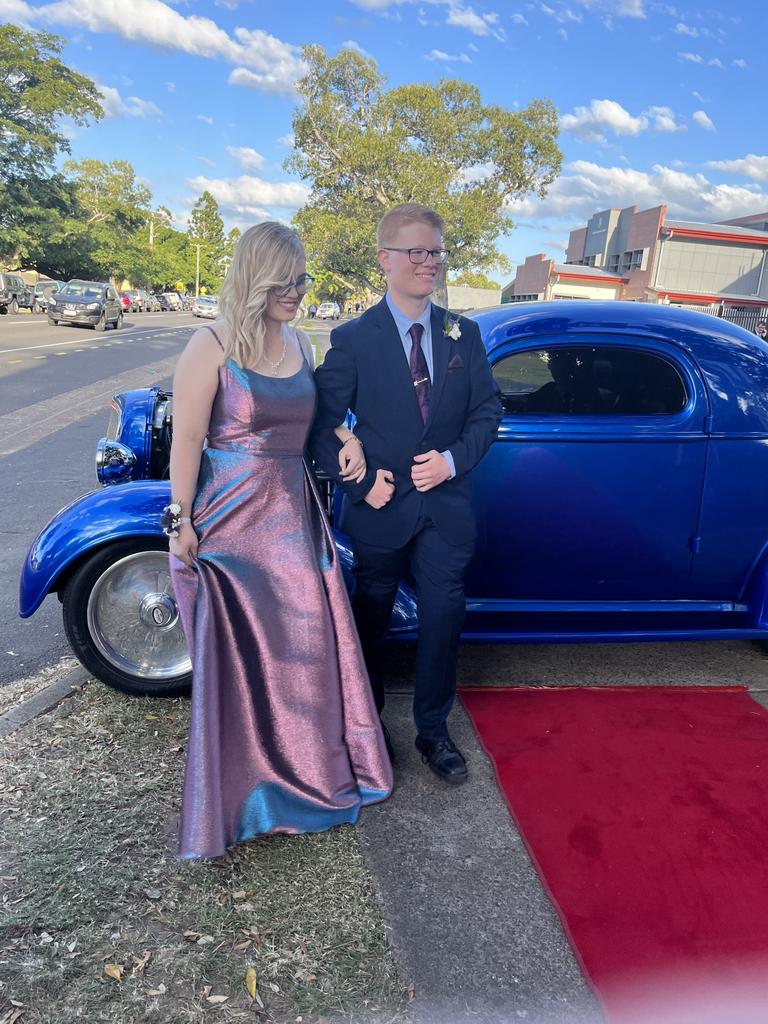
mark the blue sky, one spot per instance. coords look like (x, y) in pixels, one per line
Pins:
(659, 102)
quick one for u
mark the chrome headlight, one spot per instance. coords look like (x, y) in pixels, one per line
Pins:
(92, 305)
(114, 462)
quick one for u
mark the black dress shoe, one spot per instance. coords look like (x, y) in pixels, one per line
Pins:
(388, 743)
(444, 758)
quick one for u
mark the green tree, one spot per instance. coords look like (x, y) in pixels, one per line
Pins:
(110, 231)
(364, 148)
(206, 229)
(37, 90)
(471, 279)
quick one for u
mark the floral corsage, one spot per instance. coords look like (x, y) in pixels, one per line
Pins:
(451, 327)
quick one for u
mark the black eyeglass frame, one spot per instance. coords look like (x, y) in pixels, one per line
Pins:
(282, 291)
(434, 253)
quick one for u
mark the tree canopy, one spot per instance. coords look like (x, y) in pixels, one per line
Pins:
(365, 148)
(37, 91)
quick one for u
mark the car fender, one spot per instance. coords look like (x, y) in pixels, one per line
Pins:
(133, 509)
(755, 594)
(100, 517)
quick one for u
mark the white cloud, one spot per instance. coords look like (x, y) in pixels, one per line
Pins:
(664, 120)
(616, 8)
(740, 62)
(16, 11)
(694, 58)
(115, 106)
(703, 120)
(518, 19)
(589, 123)
(249, 196)
(204, 117)
(448, 57)
(246, 157)
(467, 17)
(686, 30)
(289, 140)
(170, 86)
(751, 166)
(205, 160)
(716, 63)
(587, 187)
(274, 63)
(350, 44)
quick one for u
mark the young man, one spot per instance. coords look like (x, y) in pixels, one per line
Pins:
(427, 409)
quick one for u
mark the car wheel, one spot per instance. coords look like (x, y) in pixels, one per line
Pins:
(14, 306)
(119, 322)
(101, 324)
(52, 322)
(763, 645)
(37, 308)
(121, 618)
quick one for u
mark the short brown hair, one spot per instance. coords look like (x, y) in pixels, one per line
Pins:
(405, 213)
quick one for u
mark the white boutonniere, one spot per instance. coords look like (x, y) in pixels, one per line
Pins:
(451, 327)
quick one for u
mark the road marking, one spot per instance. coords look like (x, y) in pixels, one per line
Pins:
(10, 361)
(39, 357)
(54, 344)
(25, 427)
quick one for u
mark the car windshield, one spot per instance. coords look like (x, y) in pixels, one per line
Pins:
(207, 300)
(82, 289)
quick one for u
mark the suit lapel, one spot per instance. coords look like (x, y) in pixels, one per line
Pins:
(440, 354)
(393, 355)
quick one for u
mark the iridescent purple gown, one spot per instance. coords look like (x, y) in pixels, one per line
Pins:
(284, 734)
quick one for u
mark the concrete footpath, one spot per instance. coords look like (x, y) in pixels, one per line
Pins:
(471, 923)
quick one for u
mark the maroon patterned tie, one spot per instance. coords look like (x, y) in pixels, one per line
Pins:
(419, 371)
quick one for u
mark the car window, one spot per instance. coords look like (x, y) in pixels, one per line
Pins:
(589, 381)
(82, 289)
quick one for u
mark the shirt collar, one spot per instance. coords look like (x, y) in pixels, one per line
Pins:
(403, 322)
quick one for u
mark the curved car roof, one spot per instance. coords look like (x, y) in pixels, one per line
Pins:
(733, 362)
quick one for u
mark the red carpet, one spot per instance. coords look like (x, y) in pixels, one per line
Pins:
(646, 813)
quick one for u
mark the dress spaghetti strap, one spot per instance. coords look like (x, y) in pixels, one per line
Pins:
(208, 328)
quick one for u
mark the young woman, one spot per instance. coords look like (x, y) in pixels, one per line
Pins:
(284, 734)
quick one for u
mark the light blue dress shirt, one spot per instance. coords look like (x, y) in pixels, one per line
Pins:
(403, 324)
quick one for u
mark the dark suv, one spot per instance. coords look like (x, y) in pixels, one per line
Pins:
(14, 294)
(86, 302)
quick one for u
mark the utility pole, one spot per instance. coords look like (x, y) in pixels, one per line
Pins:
(197, 271)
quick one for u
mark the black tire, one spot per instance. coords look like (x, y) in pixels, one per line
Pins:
(90, 580)
(14, 306)
(101, 324)
(52, 322)
(119, 322)
(37, 308)
(762, 645)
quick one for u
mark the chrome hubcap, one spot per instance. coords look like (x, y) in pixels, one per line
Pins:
(134, 620)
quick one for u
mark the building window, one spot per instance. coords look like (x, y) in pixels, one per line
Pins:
(602, 380)
(613, 262)
(636, 260)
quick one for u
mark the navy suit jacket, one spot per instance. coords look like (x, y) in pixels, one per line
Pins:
(366, 370)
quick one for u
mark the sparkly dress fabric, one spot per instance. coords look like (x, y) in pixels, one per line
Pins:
(284, 734)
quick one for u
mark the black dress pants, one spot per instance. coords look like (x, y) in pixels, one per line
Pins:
(438, 570)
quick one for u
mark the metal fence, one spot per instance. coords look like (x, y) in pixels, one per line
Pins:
(746, 317)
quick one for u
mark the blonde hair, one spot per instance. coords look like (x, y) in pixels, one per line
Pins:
(265, 257)
(405, 213)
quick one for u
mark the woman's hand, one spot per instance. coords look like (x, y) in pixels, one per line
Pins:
(352, 461)
(184, 547)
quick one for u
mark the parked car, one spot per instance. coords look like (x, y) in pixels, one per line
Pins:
(14, 294)
(173, 300)
(129, 306)
(623, 500)
(137, 301)
(153, 303)
(206, 306)
(42, 292)
(328, 311)
(86, 302)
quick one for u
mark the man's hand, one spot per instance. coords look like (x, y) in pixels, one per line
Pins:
(382, 490)
(429, 470)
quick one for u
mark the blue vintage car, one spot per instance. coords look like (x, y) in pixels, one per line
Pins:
(626, 498)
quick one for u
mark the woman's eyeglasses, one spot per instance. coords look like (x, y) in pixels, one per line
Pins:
(301, 284)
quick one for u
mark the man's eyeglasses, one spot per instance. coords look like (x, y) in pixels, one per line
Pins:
(301, 284)
(419, 255)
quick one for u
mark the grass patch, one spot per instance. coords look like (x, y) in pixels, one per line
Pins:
(100, 922)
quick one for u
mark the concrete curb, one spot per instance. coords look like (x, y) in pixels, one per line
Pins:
(44, 701)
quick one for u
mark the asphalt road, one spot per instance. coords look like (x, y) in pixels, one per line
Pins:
(55, 387)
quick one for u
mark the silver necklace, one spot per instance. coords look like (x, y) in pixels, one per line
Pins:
(276, 365)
